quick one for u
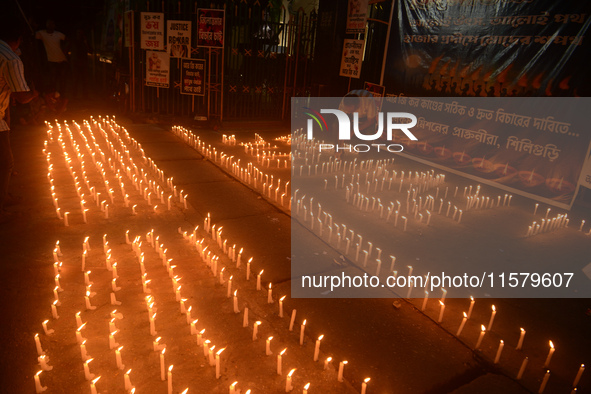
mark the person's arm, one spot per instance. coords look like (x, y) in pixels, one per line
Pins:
(25, 97)
(15, 78)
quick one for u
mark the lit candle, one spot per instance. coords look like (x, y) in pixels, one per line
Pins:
(442, 309)
(279, 361)
(40, 351)
(233, 388)
(38, 387)
(268, 346)
(211, 356)
(341, 370)
(462, 325)
(306, 387)
(281, 306)
(66, 223)
(492, 318)
(83, 352)
(170, 379)
(79, 338)
(87, 374)
(327, 362)
(45, 329)
(126, 380)
(78, 319)
(236, 310)
(118, 358)
(162, 369)
(152, 324)
(302, 328)
(481, 336)
(93, 385)
(248, 273)
(471, 306)
(255, 329)
(579, 374)
(112, 343)
(521, 337)
(270, 295)
(43, 363)
(114, 299)
(544, 382)
(364, 386)
(288, 385)
(317, 348)
(425, 300)
(550, 353)
(217, 363)
(499, 351)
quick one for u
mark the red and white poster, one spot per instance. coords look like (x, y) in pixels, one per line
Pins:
(210, 28)
(157, 69)
(356, 16)
(152, 30)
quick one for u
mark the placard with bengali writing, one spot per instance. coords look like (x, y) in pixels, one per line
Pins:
(352, 58)
(192, 77)
(210, 28)
(152, 30)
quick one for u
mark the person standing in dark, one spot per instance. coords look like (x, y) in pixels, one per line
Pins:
(57, 62)
(12, 83)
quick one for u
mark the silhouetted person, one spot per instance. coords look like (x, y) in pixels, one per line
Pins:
(57, 63)
(12, 83)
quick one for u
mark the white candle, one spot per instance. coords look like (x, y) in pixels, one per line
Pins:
(78, 319)
(521, 337)
(279, 361)
(281, 306)
(217, 363)
(499, 351)
(93, 385)
(544, 382)
(245, 318)
(43, 363)
(306, 387)
(83, 352)
(236, 310)
(442, 309)
(87, 374)
(268, 351)
(425, 300)
(66, 223)
(462, 325)
(162, 368)
(550, 353)
(152, 324)
(248, 273)
(112, 343)
(170, 379)
(270, 295)
(364, 385)
(292, 321)
(114, 300)
(126, 380)
(233, 388)
(471, 306)
(288, 385)
(481, 336)
(45, 329)
(317, 348)
(302, 328)
(38, 387)
(341, 370)
(579, 374)
(255, 329)
(118, 358)
(40, 351)
(492, 318)
(327, 362)
(79, 338)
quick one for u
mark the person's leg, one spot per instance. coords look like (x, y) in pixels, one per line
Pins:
(6, 164)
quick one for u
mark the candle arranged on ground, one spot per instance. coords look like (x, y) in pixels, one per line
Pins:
(550, 353)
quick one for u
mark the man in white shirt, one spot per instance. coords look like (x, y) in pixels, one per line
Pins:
(12, 82)
(57, 61)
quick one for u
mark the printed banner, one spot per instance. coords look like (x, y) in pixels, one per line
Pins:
(496, 48)
(152, 30)
(586, 174)
(128, 29)
(210, 28)
(535, 146)
(375, 90)
(356, 16)
(352, 58)
(157, 69)
(179, 38)
(193, 77)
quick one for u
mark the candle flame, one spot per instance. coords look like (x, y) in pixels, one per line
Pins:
(304, 323)
(185, 392)
(482, 328)
(291, 372)
(441, 303)
(220, 351)
(522, 330)
(81, 327)
(38, 373)
(367, 380)
(551, 344)
(170, 368)
(493, 308)
(282, 298)
(283, 351)
(465, 315)
(320, 337)
(235, 292)
(307, 386)
(233, 384)
(345, 362)
(119, 348)
(471, 299)
(162, 352)
(128, 372)
(89, 360)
